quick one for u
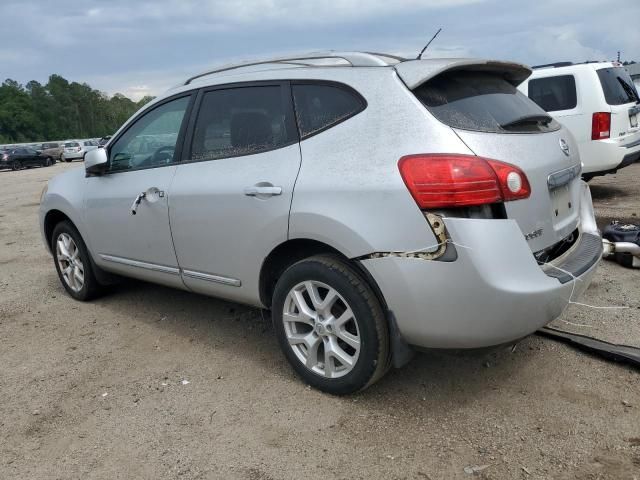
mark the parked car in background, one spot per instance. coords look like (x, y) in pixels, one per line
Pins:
(53, 149)
(18, 158)
(103, 141)
(373, 203)
(598, 103)
(77, 149)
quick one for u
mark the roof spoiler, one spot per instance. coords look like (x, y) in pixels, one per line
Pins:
(416, 72)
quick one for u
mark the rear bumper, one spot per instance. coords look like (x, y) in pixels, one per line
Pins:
(608, 156)
(494, 293)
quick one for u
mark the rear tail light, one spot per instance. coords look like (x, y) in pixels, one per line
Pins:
(452, 180)
(5, 156)
(601, 126)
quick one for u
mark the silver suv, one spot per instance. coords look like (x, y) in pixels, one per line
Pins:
(375, 204)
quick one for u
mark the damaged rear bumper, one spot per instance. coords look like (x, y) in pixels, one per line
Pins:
(494, 293)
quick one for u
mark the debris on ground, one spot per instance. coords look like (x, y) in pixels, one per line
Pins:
(470, 470)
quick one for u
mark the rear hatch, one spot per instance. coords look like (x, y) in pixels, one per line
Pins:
(621, 94)
(72, 147)
(481, 103)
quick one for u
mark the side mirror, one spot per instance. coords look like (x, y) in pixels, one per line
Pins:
(95, 161)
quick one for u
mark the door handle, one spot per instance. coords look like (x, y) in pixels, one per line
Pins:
(136, 202)
(152, 195)
(262, 191)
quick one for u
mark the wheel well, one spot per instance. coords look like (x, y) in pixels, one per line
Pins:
(53, 218)
(292, 251)
(282, 257)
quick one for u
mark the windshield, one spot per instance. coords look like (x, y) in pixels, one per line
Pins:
(483, 102)
(617, 86)
(71, 144)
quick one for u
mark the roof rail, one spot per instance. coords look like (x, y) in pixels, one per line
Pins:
(554, 65)
(355, 59)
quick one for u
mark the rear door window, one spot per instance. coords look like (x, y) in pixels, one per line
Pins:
(71, 145)
(484, 102)
(321, 106)
(241, 121)
(554, 93)
(617, 86)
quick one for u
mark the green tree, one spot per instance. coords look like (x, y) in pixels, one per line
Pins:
(60, 110)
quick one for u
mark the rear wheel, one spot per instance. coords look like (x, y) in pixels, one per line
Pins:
(48, 162)
(73, 263)
(16, 165)
(330, 325)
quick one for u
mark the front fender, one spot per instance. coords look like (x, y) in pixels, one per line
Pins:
(65, 194)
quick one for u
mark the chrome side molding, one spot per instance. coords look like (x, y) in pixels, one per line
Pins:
(232, 282)
(135, 263)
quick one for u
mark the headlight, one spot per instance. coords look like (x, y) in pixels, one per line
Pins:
(44, 191)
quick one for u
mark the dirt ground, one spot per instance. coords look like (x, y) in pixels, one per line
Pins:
(154, 383)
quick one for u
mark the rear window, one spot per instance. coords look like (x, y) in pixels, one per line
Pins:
(617, 86)
(554, 93)
(49, 145)
(320, 106)
(71, 144)
(483, 102)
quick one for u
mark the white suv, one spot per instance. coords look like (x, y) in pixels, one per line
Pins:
(598, 103)
(77, 149)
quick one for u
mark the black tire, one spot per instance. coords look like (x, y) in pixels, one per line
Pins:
(373, 359)
(16, 165)
(48, 162)
(90, 288)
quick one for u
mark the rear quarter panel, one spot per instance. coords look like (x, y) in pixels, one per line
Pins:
(349, 192)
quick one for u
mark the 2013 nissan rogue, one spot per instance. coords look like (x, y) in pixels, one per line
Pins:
(374, 204)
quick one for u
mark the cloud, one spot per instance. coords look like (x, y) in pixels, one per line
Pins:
(566, 43)
(140, 47)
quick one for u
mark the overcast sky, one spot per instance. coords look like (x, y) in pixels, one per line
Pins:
(144, 47)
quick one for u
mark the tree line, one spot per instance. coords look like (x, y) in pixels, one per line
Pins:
(60, 110)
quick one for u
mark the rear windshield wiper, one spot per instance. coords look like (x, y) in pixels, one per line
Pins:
(527, 119)
(629, 90)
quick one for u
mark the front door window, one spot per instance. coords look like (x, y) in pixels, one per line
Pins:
(151, 140)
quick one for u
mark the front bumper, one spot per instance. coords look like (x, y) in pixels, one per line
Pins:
(494, 293)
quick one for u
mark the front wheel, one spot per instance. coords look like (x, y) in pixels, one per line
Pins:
(16, 165)
(330, 325)
(48, 162)
(73, 263)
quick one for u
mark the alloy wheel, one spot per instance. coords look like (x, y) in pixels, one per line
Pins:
(71, 266)
(321, 329)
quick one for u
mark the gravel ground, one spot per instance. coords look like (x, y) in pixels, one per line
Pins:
(154, 383)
